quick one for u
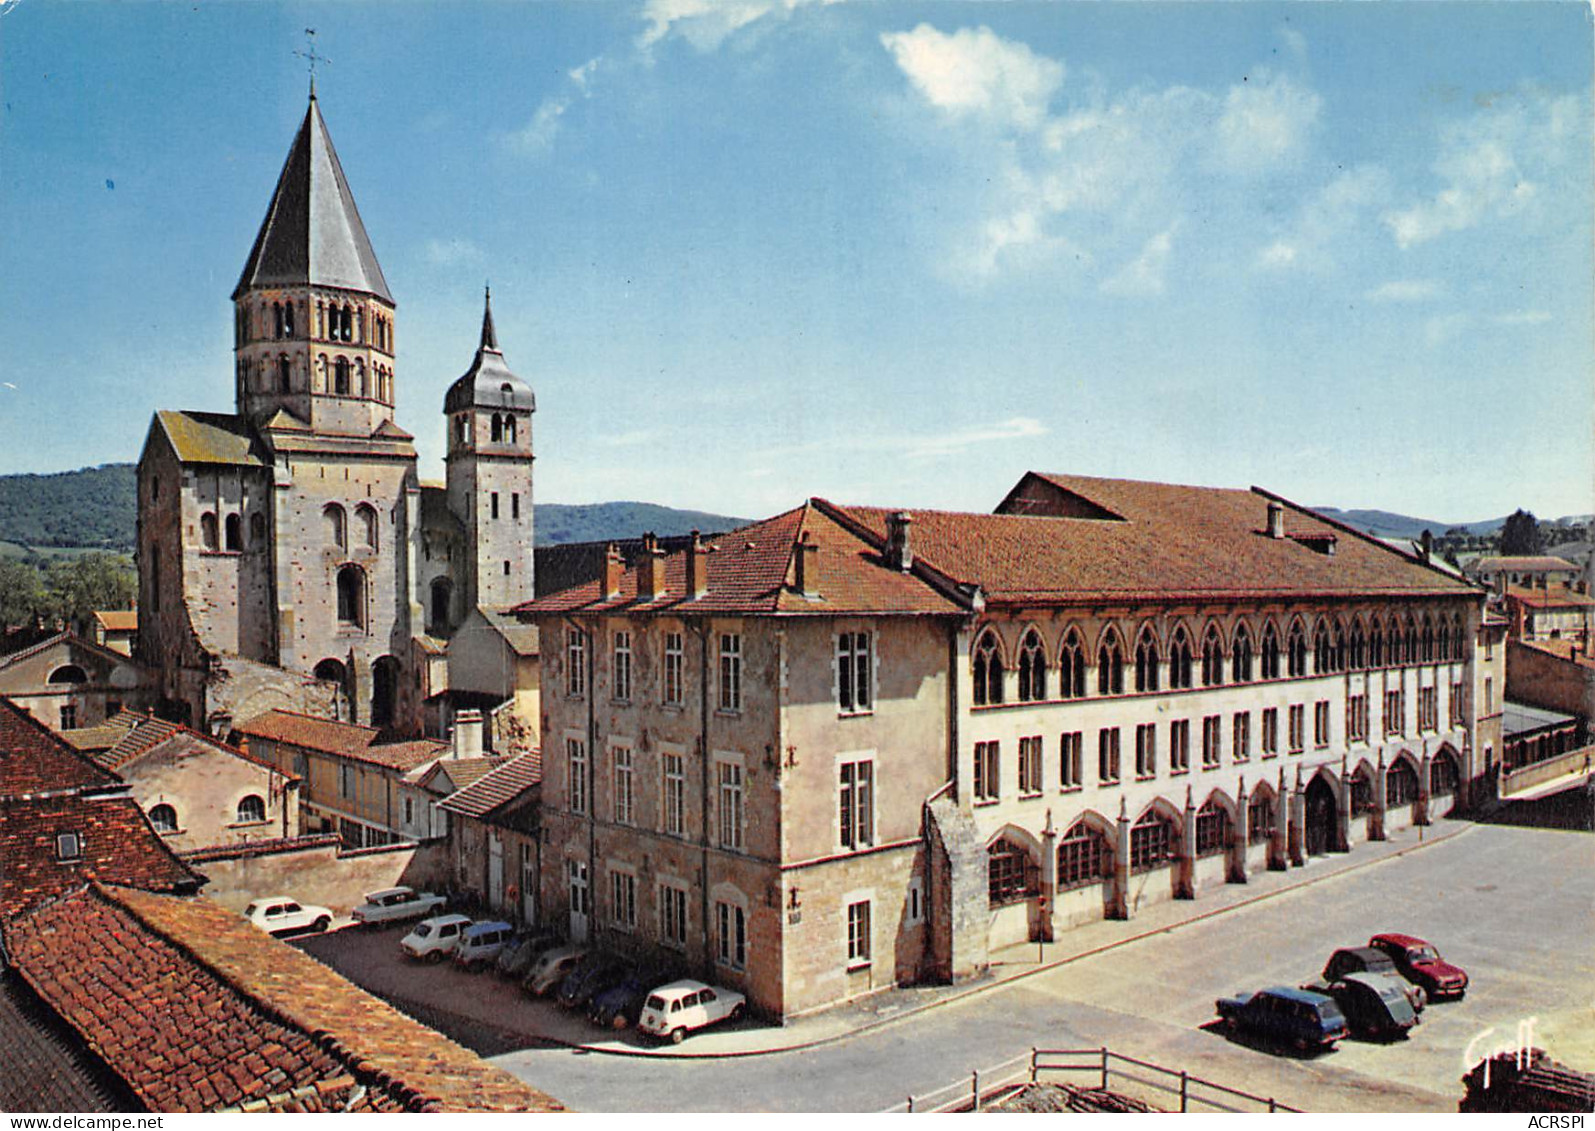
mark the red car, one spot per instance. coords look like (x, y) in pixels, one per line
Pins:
(1422, 965)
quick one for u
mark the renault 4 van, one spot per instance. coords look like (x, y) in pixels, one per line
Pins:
(434, 939)
(679, 1008)
(481, 943)
(1300, 1018)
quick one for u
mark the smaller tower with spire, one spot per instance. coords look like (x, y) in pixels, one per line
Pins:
(489, 419)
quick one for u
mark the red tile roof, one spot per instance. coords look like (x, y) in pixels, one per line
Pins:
(749, 570)
(1561, 597)
(34, 760)
(498, 788)
(1524, 563)
(226, 1016)
(115, 841)
(118, 620)
(43, 1064)
(1567, 650)
(346, 740)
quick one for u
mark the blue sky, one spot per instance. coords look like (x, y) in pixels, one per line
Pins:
(752, 251)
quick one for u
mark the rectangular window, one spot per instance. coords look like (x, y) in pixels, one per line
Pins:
(409, 810)
(495, 504)
(675, 794)
(1321, 723)
(1394, 709)
(673, 915)
(988, 769)
(674, 654)
(916, 903)
(68, 847)
(730, 811)
(858, 933)
(515, 506)
(1030, 765)
(1357, 718)
(576, 767)
(346, 782)
(623, 666)
(1108, 756)
(69, 716)
(624, 793)
(730, 671)
(623, 900)
(1212, 731)
(1146, 750)
(856, 803)
(1179, 746)
(853, 671)
(1069, 751)
(1241, 736)
(1298, 727)
(1489, 695)
(580, 894)
(731, 936)
(575, 662)
(1270, 737)
(1457, 717)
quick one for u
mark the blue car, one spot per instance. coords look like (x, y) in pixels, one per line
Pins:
(1300, 1018)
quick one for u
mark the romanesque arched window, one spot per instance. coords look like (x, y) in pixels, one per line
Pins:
(208, 530)
(442, 593)
(1110, 665)
(1071, 667)
(1180, 659)
(340, 377)
(346, 330)
(1032, 668)
(163, 818)
(509, 428)
(68, 674)
(1212, 657)
(251, 810)
(276, 311)
(233, 533)
(284, 374)
(351, 595)
(497, 428)
(360, 377)
(1146, 660)
(335, 524)
(987, 670)
(1241, 656)
(369, 526)
(288, 320)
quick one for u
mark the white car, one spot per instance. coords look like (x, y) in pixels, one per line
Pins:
(280, 915)
(676, 1009)
(434, 939)
(393, 904)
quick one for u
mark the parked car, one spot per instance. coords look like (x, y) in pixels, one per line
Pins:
(392, 905)
(621, 1004)
(481, 942)
(434, 939)
(1367, 960)
(1375, 1005)
(1421, 964)
(280, 915)
(1300, 1018)
(520, 952)
(681, 1007)
(593, 974)
(550, 969)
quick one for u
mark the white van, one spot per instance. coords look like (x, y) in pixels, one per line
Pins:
(676, 1009)
(434, 939)
(481, 943)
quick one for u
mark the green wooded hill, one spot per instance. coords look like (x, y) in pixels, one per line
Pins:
(95, 509)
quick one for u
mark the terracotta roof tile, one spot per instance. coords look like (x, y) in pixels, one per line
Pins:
(1560, 597)
(118, 620)
(34, 760)
(43, 1064)
(497, 788)
(1531, 563)
(346, 740)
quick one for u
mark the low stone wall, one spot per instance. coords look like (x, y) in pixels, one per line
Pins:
(316, 870)
(1538, 773)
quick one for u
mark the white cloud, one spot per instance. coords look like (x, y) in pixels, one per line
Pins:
(974, 71)
(1295, 41)
(1325, 219)
(1405, 290)
(1522, 318)
(451, 253)
(706, 23)
(537, 136)
(952, 443)
(1442, 328)
(1144, 275)
(1491, 164)
(1265, 122)
(631, 439)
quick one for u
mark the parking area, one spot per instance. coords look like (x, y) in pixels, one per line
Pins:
(1514, 906)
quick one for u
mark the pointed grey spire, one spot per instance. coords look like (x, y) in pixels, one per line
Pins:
(489, 335)
(312, 234)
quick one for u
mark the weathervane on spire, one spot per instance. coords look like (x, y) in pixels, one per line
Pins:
(310, 54)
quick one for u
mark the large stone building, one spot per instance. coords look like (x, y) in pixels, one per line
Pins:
(289, 557)
(845, 747)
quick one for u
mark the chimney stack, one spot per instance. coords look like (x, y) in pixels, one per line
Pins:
(697, 569)
(805, 577)
(1276, 519)
(1426, 547)
(899, 541)
(614, 566)
(467, 734)
(650, 570)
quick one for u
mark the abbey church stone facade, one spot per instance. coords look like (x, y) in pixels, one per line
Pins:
(289, 554)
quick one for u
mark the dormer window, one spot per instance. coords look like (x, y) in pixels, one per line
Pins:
(68, 847)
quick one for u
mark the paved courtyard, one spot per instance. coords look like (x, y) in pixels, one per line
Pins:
(1514, 906)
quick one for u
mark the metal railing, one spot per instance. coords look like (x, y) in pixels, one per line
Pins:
(1099, 1068)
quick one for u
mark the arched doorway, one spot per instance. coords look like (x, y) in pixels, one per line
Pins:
(384, 691)
(1444, 776)
(334, 671)
(1322, 811)
(442, 599)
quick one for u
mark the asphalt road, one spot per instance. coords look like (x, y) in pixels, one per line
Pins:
(1513, 906)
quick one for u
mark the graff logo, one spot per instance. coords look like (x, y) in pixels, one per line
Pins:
(1518, 1047)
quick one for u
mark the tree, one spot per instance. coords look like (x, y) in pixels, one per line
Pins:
(1520, 534)
(78, 587)
(21, 592)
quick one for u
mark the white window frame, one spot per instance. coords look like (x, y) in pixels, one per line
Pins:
(622, 899)
(671, 895)
(731, 930)
(623, 793)
(672, 674)
(1071, 760)
(578, 776)
(575, 663)
(857, 797)
(855, 668)
(621, 640)
(860, 948)
(673, 801)
(730, 667)
(730, 777)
